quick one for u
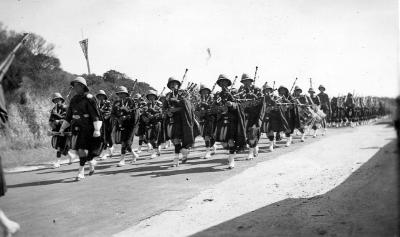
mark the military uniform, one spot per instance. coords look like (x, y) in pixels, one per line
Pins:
(206, 119)
(61, 143)
(57, 115)
(140, 105)
(83, 116)
(123, 114)
(252, 114)
(325, 102)
(349, 106)
(274, 120)
(316, 104)
(290, 113)
(230, 123)
(151, 118)
(105, 108)
(180, 123)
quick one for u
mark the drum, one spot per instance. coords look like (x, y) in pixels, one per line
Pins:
(116, 135)
(54, 142)
(306, 115)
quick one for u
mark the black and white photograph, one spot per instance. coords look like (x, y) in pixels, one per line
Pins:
(199, 118)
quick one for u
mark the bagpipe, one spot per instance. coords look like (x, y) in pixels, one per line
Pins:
(56, 137)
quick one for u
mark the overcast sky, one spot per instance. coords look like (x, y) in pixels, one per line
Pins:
(344, 44)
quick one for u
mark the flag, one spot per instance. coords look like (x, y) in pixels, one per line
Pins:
(84, 45)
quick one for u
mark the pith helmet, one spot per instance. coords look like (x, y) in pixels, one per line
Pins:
(80, 80)
(102, 92)
(172, 79)
(311, 90)
(246, 77)
(151, 92)
(122, 89)
(321, 87)
(297, 88)
(284, 89)
(266, 86)
(57, 96)
(221, 78)
(204, 87)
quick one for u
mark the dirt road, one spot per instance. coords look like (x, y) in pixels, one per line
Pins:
(204, 197)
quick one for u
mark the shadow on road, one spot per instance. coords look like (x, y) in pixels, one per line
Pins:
(41, 183)
(363, 205)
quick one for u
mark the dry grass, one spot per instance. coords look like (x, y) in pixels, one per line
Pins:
(26, 131)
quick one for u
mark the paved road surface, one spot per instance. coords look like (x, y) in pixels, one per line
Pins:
(122, 200)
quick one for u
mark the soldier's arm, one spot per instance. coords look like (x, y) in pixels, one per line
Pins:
(94, 114)
(93, 111)
(67, 120)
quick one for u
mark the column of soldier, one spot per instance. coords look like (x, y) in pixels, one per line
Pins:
(90, 125)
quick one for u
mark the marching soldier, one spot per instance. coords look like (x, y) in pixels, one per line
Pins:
(105, 111)
(57, 115)
(303, 101)
(230, 125)
(250, 92)
(274, 120)
(207, 120)
(162, 139)
(290, 114)
(180, 121)
(123, 112)
(325, 103)
(141, 130)
(151, 118)
(349, 105)
(83, 116)
(316, 103)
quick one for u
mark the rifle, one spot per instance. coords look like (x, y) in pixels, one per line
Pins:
(255, 75)
(134, 85)
(10, 57)
(158, 97)
(234, 81)
(213, 88)
(294, 83)
(310, 82)
(53, 133)
(184, 76)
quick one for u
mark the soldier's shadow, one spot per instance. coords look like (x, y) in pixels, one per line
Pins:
(62, 171)
(42, 182)
(169, 171)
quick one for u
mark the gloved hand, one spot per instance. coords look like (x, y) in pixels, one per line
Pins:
(97, 127)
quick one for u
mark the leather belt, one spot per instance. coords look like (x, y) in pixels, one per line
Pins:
(77, 116)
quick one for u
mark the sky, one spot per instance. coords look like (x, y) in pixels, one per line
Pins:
(346, 45)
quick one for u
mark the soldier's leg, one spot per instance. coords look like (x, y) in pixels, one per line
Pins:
(178, 147)
(141, 140)
(315, 128)
(58, 159)
(270, 136)
(207, 141)
(303, 134)
(289, 138)
(82, 160)
(155, 148)
(213, 145)
(9, 227)
(123, 153)
(185, 154)
(232, 149)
